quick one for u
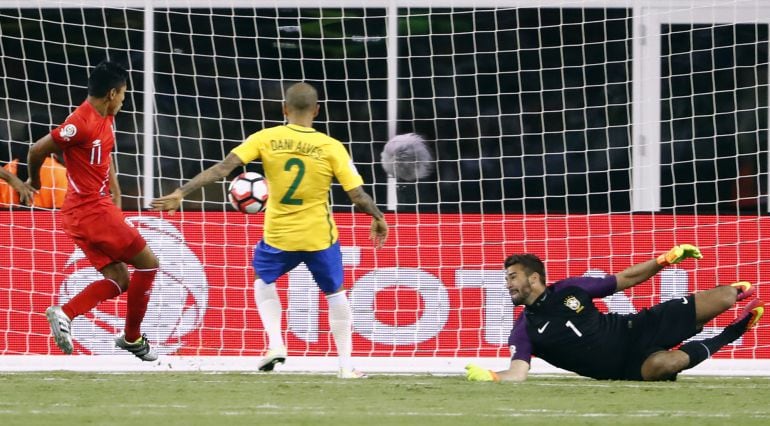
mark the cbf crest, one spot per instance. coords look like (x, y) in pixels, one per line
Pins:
(573, 303)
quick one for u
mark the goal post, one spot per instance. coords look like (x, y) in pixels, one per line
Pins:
(593, 133)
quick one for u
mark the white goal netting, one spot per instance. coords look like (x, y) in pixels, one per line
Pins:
(595, 134)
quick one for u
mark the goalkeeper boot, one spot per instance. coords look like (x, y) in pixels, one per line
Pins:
(351, 373)
(745, 290)
(751, 314)
(140, 348)
(60, 328)
(272, 357)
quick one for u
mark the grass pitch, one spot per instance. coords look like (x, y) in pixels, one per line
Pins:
(228, 399)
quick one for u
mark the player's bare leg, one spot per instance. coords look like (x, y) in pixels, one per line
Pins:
(664, 365)
(712, 302)
(117, 272)
(145, 259)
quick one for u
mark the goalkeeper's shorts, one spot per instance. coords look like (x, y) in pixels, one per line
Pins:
(659, 328)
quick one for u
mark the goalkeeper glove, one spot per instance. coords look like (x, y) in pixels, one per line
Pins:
(474, 373)
(678, 254)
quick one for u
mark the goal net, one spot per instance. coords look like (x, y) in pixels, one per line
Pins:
(595, 134)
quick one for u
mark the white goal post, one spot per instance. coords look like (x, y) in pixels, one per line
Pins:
(594, 133)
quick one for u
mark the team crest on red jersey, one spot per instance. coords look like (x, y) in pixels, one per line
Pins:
(573, 303)
(68, 131)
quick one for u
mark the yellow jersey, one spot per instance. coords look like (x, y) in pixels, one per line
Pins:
(299, 164)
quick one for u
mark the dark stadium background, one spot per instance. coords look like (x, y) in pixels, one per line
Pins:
(525, 110)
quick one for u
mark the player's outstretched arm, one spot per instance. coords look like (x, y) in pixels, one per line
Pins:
(25, 190)
(517, 372)
(171, 202)
(365, 203)
(678, 254)
(641, 272)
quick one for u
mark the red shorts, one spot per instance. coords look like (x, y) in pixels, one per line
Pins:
(101, 231)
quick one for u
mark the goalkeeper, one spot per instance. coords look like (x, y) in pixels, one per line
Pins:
(561, 324)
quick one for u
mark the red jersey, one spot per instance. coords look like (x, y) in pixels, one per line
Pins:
(86, 139)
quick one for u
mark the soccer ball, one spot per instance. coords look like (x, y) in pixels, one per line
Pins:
(248, 192)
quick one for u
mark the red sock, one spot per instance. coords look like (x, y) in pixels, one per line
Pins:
(139, 290)
(89, 297)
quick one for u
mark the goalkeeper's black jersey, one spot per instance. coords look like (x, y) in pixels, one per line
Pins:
(565, 328)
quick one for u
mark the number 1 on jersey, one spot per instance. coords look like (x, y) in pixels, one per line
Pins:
(572, 326)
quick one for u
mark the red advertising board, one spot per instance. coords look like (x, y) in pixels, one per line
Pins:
(436, 289)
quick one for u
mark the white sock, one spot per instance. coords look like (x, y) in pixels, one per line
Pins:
(340, 323)
(269, 308)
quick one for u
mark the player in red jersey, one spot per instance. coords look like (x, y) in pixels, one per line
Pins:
(91, 214)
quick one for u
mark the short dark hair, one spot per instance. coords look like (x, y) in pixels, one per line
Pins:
(105, 77)
(529, 262)
(301, 97)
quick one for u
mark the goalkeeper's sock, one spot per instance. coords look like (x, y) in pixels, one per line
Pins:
(89, 297)
(139, 290)
(269, 308)
(700, 350)
(340, 323)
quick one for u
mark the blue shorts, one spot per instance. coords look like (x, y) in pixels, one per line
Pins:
(271, 263)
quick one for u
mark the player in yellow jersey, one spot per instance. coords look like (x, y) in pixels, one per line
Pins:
(299, 164)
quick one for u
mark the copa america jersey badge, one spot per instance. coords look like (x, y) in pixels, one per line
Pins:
(68, 131)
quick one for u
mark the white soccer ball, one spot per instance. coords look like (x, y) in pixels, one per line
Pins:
(407, 158)
(248, 193)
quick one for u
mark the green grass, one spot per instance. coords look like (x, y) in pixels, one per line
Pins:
(228, 399)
